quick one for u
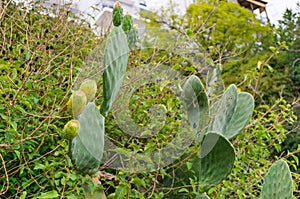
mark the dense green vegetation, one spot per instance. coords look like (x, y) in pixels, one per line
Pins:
(43, 57)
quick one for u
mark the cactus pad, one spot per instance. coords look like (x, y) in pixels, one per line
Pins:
(241, 115)
(196, 100)
(216, 160)
(232, 113)
(223, 110)
(278, 183)
(87, 147)
(115, 62)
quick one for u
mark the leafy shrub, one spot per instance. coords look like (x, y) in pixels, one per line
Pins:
(40, 57)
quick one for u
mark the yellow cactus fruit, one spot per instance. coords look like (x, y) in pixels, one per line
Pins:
(69, 105)
(77, 103)
(71, 130)
(89, 87)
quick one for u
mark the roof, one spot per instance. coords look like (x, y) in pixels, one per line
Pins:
(253, 4)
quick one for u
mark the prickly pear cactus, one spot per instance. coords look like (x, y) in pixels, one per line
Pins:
(216, 160)
(117, 14)
(232, 113)
(87, 147)
(215, 84)
(115, 62)
(127, 24)
(241, 116)
(132, 36)
(77, 103)
(71, 130)
(89, 87)
(278, 183)
(196, 100)
(223, 110)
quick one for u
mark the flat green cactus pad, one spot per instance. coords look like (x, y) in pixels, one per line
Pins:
(87, 147)
(231, 114)
(196, 100)
(223, 110)
(242, 114)
(278, 183)
(115, 63)
(216, 160)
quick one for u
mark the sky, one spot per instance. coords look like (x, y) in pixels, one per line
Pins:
(275, 8)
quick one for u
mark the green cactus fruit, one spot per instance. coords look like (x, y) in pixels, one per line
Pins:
(77, 103)
(115, 62)
(216, 160)
(127, 23)
(89, 87)
(278, 183)
(88, 146)
(71, 130)
(118, 14)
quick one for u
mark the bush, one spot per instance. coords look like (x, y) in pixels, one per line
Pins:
(40, 57)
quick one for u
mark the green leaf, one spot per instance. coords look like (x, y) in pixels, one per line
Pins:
(121, 191)
(39, 166)
(183, 190)
(23, 196)
(49, 194)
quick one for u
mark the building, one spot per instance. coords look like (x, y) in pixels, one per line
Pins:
(57, 4)
(255, 5)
